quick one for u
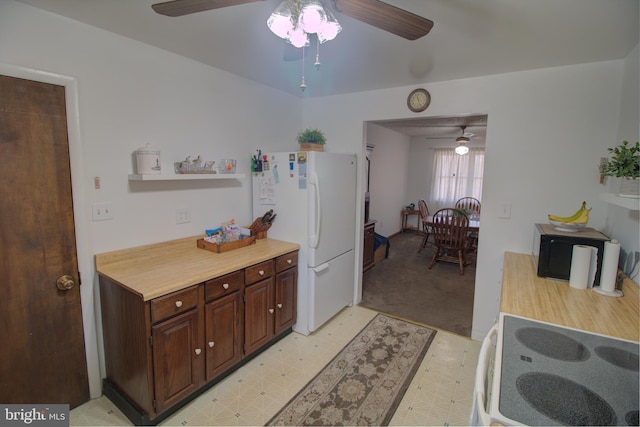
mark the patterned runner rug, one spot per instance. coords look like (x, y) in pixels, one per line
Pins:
(365, 382)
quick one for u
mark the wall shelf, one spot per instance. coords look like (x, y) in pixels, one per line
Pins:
(184, 177)
(625, 202)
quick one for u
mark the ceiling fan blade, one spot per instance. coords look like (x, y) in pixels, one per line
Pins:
(386, 17)
(186, 7)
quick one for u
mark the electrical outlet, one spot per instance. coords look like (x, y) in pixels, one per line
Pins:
(102, 211)
(183, 215)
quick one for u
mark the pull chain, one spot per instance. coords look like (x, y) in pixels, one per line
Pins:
(303, 86)
(317, 64)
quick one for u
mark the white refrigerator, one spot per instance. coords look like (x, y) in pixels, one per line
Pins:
(313, 195)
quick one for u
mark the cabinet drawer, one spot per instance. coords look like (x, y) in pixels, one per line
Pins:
(286, 261)
(172, 304)
(224, 285)
(258, 272)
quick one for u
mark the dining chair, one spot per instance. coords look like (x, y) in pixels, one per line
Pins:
(449, 227)
(471, 206)
(424, 214)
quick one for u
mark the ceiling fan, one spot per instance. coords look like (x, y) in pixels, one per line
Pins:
(462, 140)
(373, 12)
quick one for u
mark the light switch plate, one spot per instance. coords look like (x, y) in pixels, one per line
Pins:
(505, 210)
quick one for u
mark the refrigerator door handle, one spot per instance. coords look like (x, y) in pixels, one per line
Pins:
(320, 268)
(315, 234)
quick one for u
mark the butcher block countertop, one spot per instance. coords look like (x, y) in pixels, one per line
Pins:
(159, 269)
(554, 301)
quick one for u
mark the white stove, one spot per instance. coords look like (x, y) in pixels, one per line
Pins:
(546, 374)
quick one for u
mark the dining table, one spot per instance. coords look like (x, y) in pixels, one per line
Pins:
(474, 223)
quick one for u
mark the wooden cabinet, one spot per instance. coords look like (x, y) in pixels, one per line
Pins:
(368, 246)
(270, 303)
(286, 291)
(163, 352)
(177, 359)
(223, 317)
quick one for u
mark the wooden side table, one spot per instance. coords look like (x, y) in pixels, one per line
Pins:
(405, 216)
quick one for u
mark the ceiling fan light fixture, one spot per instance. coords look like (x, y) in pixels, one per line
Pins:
(298, 37)
(281, 20)
(330, 29)
(312, 16)
(462, 149)
(294, 20)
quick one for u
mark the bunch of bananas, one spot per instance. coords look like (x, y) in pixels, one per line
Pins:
(580, 217)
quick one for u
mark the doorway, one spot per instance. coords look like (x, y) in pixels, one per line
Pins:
(407, 146)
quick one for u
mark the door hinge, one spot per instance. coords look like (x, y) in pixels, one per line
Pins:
(155, 405)
(150, 339)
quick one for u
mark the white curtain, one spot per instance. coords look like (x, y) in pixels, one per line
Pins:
(455, 176)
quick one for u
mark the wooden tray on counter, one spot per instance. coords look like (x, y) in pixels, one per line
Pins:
(227, 246)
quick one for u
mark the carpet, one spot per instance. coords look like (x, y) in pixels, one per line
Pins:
(403, 286)
(365, 382)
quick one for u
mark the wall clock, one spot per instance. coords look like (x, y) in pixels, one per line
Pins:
(418, 100)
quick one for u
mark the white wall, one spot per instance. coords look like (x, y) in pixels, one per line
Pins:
(547, 130)
(389, 171)
(129, 94)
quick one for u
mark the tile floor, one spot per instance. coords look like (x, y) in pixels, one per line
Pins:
(439, 395)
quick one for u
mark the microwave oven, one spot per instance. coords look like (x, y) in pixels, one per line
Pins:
(553, 249)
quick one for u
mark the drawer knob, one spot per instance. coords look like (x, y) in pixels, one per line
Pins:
(198, 351)
(211, 343)
(279, 305)
(261, 272)
(271, 310)
(225, 286)
(178, 304)
(289, 261)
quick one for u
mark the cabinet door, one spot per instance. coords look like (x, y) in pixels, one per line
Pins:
(222, 329)
(259, 313)
(286, 301)
(368, 249)
(176, 358)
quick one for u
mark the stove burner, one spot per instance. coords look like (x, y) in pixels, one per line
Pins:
(632, 418)
(552, 344)
(621, 358)
(565, 401)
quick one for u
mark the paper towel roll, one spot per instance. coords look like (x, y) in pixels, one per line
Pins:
(580, 267)
(609, 274)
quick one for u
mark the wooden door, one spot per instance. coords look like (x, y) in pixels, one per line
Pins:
(42, 356)
(176, 356)
(222, 325)
(258, 315)
(286, 300)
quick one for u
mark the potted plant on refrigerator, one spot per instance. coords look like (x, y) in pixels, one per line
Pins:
(625, 164)
(311, 140)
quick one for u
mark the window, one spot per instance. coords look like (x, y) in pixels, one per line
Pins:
(456, 176)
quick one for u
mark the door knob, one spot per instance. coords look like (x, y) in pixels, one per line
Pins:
(64, 283)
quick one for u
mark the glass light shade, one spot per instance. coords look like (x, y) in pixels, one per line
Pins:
(462, 149)
(312, 16)
(280, 22)
(298, 37)
(329, 31)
